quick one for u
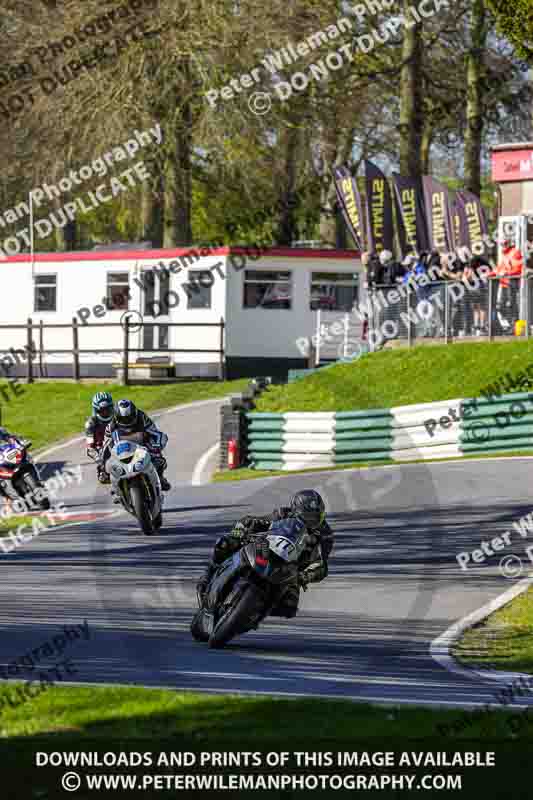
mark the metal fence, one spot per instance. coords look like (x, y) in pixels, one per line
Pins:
(439, 312)
(448, 311)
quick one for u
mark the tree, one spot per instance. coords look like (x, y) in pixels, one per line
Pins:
(411, 107)
(516, 23)
(474, 110)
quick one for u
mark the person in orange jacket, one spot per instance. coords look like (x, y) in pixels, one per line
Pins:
(511, 265)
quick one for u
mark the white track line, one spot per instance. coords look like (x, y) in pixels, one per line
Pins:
(377, 699)
(439, 648)
(201, 464)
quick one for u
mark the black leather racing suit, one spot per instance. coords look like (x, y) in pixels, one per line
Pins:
(313, 566)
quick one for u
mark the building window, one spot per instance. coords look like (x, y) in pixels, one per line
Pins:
(198, 288)
(117, 291)
(45, 293)
(267, 289)
(333, 291)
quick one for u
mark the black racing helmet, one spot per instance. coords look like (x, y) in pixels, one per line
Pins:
(309, 505)
(125, 414)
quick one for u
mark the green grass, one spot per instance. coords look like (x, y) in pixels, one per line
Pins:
(247, 473)
(128, 713)
(502, 641)
(402, 377)
(102, 720)
(51, 411)
(10, 523)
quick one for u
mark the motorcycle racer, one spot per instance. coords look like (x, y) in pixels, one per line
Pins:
(127, 420)
(95, 425)
(6, 436)
(308, 506)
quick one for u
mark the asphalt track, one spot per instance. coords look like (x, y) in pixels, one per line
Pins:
(364, 633)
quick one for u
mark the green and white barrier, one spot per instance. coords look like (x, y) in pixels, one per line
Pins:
(291, 441)
(500, 424)
(445, 429)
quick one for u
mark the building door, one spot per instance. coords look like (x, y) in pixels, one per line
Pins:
(155, 310)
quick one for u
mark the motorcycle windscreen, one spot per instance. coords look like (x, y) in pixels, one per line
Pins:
(223, 580)
(135, 436)
(288, 538)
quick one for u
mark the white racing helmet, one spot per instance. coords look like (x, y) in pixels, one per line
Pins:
(385, 256)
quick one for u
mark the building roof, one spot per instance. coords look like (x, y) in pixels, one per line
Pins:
(513, 146)
(173, 253)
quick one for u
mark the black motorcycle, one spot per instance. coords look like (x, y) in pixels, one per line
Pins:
(251, 583)
(18, 474)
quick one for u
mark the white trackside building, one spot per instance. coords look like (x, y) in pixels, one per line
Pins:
(268, 304)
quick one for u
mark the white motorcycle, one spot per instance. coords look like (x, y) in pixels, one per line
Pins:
(136, 483)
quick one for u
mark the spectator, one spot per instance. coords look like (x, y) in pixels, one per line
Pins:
(433, 264)
(393, 271)
(508, 270)
(452, 269)
(374, 279)
(476, 294)
(374, 271)
(416, 270)
(392, 274)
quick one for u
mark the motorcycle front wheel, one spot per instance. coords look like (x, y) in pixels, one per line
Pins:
(142, 512)
(238, 617)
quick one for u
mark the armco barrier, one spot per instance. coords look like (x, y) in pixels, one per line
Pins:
(501, 423)
(445, 429)
(291, 441)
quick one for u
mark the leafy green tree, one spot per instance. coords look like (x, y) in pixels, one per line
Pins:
(515, 20)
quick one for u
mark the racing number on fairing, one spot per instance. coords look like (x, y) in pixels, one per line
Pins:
(288, 547)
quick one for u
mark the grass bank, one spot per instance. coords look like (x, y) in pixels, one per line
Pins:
(11, 523)
(123, 713)
(51, 411)
(247, 473)
(63, 722)
(503, 641)
(402, 377)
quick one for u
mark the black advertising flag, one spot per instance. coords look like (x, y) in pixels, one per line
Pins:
(379, 210)
(350, 203)
(438, 214)
(412, 226)
(474, 220)
(460, 229)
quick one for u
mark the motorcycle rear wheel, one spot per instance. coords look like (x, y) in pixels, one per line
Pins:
(141, 511)
(227, 627)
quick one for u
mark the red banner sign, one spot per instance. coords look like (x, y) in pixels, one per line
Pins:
(512, 165)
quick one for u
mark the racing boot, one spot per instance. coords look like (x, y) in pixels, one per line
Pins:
(165, 485)
(203, 583)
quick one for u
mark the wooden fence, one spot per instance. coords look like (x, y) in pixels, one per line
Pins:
(37, 353)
